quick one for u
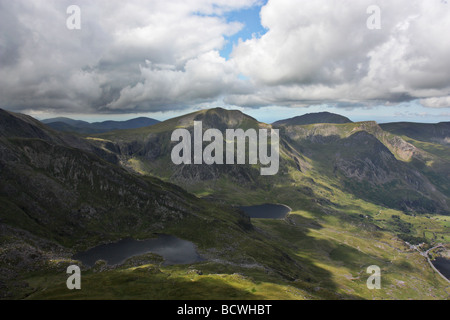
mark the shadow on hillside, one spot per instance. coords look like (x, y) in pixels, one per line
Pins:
(301, 254)
(143, 284)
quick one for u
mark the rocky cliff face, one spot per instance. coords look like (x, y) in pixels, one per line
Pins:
(51, 188)
(69, 192)
(370, 163)
(435, 133)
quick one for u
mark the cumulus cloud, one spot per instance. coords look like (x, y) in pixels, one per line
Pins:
(436, 102)
(117, 52)
(323, 50)
(157, 55)
(203, 79)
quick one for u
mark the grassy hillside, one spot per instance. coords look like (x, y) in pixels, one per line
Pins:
(57, 199)
(332, 253)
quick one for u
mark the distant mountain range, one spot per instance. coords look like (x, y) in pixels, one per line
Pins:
(83, 127)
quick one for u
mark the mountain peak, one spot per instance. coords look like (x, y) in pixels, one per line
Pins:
(221, 112)
(217, 118)
(314, 118)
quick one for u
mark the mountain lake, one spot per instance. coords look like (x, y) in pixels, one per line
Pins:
(173, 250)
(443, 265)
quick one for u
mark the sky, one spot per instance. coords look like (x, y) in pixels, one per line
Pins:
(382, 60)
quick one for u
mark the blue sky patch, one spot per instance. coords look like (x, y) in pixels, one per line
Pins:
(252, 27)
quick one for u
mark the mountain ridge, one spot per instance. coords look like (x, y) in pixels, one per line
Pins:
(83, 127)
(427, 132)
(314, 118)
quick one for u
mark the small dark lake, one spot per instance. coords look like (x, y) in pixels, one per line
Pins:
(173, 250)
(443, 265)
(266, 211)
